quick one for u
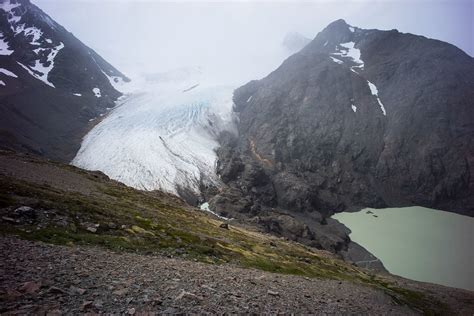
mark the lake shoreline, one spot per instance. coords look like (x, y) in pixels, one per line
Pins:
(416, 243)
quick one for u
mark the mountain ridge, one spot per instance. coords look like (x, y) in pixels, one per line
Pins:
(59, 85)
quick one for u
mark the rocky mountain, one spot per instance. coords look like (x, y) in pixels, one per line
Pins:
(51, 85)
(358, 118)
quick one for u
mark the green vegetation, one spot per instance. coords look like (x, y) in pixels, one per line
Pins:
(124, 219)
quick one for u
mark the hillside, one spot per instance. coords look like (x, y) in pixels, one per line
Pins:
(157, 253)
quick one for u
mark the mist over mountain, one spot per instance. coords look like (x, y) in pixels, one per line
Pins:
(294, 42)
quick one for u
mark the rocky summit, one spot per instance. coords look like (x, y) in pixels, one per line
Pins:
(358, 118)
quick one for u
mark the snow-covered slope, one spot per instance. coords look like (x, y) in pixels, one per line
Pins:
(163, 135)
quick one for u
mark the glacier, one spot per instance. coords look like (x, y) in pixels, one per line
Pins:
(162, 134)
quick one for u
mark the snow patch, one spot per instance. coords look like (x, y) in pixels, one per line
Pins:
(338, 61)
(8, 73)
(375, 92)
(2, 83)
(4, 47)
(352, 29)
(8, 6)
(36, 33)
(41, 70)
(115, 81)
(77, 94)
(354, 108)
(39, 50)
(249, 99)
(325, 44)
(205, 207)
(97, 92)
(348, 50)
(49, 41)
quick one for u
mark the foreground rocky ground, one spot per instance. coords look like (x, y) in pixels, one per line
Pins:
(37, 278)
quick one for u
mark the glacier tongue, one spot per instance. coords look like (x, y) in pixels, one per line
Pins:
(161, 137)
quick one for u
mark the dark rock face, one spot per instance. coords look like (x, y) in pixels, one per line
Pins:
(48, 103)
(316, 138)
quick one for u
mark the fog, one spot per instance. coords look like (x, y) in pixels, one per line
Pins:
(238, 41)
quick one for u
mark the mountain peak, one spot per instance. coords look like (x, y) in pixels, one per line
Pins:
(338, 23)
(339, 26)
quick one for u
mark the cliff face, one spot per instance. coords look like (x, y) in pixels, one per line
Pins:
(358, 118)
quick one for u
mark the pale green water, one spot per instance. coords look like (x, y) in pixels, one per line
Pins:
(418, 243)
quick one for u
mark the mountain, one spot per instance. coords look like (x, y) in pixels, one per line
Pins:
(164, 135)
(51, 85)
(165, 132)
(358, 118)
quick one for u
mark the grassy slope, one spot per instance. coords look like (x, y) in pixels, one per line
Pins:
(153, 222)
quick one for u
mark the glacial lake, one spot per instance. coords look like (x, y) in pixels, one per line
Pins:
(417, 243)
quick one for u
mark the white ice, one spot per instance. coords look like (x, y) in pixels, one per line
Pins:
(160, 137)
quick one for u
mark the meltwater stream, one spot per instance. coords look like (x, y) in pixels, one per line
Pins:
(417, 243)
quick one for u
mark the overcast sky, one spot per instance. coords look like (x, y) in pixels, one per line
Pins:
(241, 40)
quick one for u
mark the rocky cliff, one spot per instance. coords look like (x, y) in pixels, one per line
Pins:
(358, 118)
